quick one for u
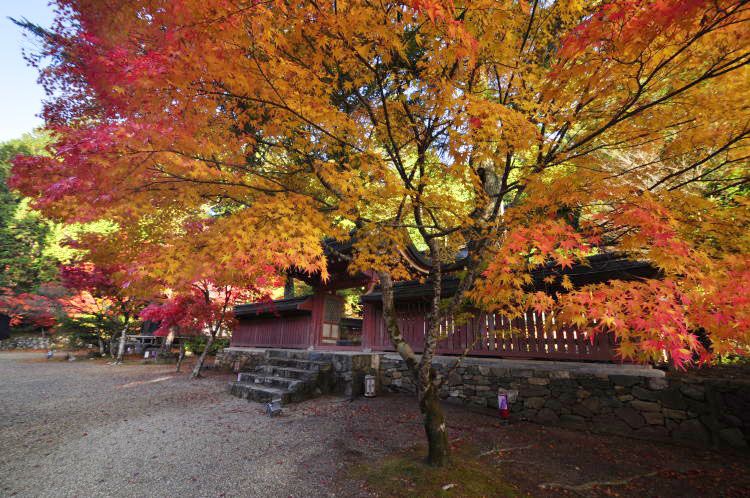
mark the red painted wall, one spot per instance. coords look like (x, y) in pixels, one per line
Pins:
(277, 331)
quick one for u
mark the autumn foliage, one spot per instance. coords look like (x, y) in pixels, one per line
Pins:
(205, 308)
(493, 136)
(32, 309)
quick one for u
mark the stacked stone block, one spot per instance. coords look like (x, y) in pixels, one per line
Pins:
(637, 403)
(25, 343)
(239, 359)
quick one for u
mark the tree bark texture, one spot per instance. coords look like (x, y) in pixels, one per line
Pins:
(429, 401)
(424, 375)
(434, 426)
(181, 356)
(112, 341)
(123, 340)
(167, 344)
(197, 369)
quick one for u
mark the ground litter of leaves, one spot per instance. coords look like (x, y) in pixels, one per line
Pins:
(85, 428)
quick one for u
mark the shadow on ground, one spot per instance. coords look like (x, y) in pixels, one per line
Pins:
(85, 428)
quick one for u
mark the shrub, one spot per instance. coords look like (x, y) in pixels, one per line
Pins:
(197, 344)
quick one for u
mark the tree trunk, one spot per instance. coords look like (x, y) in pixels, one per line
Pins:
(197, 369)
(434, 427)
(167, 344)
(112, 341)
(289, 287)
(123, 340)
(424, 375)
(429, 401)
(101, 346)
(181, 356)
(391, 323)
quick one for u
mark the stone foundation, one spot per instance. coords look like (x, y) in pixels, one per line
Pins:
(164, 358)
(239, 359)
(349, 367)
(25, 343)
(626, 400)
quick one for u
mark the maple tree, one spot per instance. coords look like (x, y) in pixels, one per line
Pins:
(37, 310)
(27, 252)
(100, 294)
(204, 308)
(175, 252)
(492, 136)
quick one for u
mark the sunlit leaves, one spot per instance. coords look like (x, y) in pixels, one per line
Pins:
(227, 142)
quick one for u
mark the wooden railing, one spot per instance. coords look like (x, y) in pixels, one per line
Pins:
(492, 335)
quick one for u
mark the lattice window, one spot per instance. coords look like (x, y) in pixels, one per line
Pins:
(333, 309)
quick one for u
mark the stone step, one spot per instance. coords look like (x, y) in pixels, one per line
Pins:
(269, 380)
(298, 364)
(261, 393)
(289, 373)
(264, 394)
(292, 376)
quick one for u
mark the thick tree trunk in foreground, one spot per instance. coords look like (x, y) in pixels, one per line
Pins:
(434, 426)
(197, 369)
(424, 375)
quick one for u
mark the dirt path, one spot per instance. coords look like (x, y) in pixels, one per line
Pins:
(84, 428)
(88, 429)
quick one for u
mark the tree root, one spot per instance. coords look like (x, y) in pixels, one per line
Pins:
(587, 486)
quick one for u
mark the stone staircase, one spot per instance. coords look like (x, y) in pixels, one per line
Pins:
(291, 376)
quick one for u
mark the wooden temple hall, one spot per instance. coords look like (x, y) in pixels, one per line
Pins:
(342, 314)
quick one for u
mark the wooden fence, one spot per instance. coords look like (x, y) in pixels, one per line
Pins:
(492, 335)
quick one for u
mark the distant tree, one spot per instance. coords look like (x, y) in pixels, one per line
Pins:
(205, 308)
(103, 299)
(35, 311)
(25, 235)
(91, 319)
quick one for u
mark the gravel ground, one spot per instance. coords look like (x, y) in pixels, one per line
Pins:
(84, 428)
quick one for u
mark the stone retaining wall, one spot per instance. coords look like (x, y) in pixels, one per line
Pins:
(349, 368)
(239, 359)
(349, 372)
(626, 400)
(25, 343)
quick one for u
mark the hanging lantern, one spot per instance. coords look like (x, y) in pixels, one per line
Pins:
(369, 386)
